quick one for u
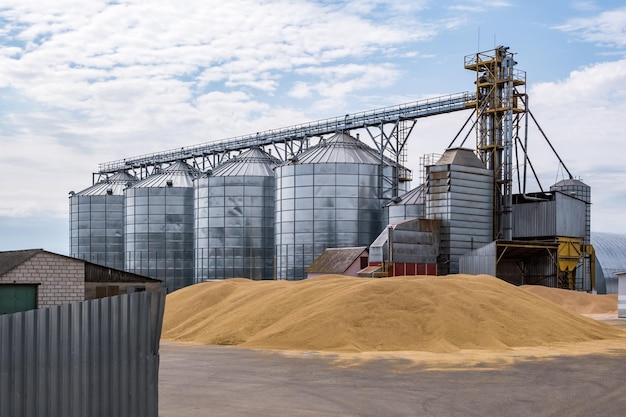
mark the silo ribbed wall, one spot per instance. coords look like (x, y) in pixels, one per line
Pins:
(329, 197)
(159, 234)
(234, 227)
(158, 227)
(97, 221)
(97, 229)
(407, 206)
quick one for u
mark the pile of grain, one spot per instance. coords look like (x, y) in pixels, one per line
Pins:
(344, 314)
(579, 302)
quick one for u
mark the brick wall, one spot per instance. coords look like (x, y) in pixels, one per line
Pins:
(61, 279)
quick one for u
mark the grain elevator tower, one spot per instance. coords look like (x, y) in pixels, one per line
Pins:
(499, 111)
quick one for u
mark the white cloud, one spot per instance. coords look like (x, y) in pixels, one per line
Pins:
(478, 6)
(84, 82)
(607, 28)
(584, 6)
(114, 53)
(594, 97)
(337, 82)
(581, 116)
(300, 89)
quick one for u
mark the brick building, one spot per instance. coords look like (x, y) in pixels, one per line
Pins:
(36, 278)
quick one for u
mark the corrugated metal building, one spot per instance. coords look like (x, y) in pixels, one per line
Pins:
(546, 215)
(409, 247)
(610, 249)
(459, 193)
(517, 262)
(343, 261)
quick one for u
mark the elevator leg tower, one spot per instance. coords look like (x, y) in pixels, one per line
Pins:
(498, 87)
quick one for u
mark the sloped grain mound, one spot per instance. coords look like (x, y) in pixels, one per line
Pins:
(345, 314)
(579, 302)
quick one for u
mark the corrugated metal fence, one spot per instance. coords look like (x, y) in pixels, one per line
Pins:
(94, 358)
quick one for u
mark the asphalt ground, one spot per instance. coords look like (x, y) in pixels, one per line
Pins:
(227, 381)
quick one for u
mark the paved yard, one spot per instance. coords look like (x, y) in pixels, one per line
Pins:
(224, 381)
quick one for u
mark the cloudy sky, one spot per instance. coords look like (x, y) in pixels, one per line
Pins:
(86, 82)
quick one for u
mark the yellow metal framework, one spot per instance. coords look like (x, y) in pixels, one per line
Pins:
(499, 109)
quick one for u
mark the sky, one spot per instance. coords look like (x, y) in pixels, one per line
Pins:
(88, 82)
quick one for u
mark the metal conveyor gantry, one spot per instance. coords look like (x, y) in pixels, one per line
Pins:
(294, 139)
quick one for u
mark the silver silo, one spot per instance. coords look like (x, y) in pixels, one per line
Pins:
(409, 205)
(578, 189)
(234, 218)
(459, 192)
(330, 195)
(97, 221)
(158, 225)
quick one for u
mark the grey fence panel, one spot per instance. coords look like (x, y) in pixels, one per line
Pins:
(94, 358)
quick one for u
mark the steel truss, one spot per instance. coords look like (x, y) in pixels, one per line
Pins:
(287, 142)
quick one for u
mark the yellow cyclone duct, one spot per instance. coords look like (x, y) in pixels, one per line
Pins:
(569, 253)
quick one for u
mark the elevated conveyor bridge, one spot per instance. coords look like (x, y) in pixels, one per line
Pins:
(289, 141)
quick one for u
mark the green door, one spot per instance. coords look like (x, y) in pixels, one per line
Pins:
(17, 297)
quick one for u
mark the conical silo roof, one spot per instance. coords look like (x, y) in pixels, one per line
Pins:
(178, 174)
(253, 163)
(114, 185)
(460, 156)
(415, 196)
(569, 183)
(340, 148)
(574, 188)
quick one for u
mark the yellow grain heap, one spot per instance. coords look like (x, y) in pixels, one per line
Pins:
(580, 302)
(346, 314)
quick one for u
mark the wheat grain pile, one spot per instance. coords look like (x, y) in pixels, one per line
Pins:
(346, 314)
(579, 302)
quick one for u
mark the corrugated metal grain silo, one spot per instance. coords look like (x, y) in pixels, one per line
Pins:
(234, 222)
(581, 191)
(459, 192)
(97, 221)
(330, 195)
(409, 205)
(158, 226)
